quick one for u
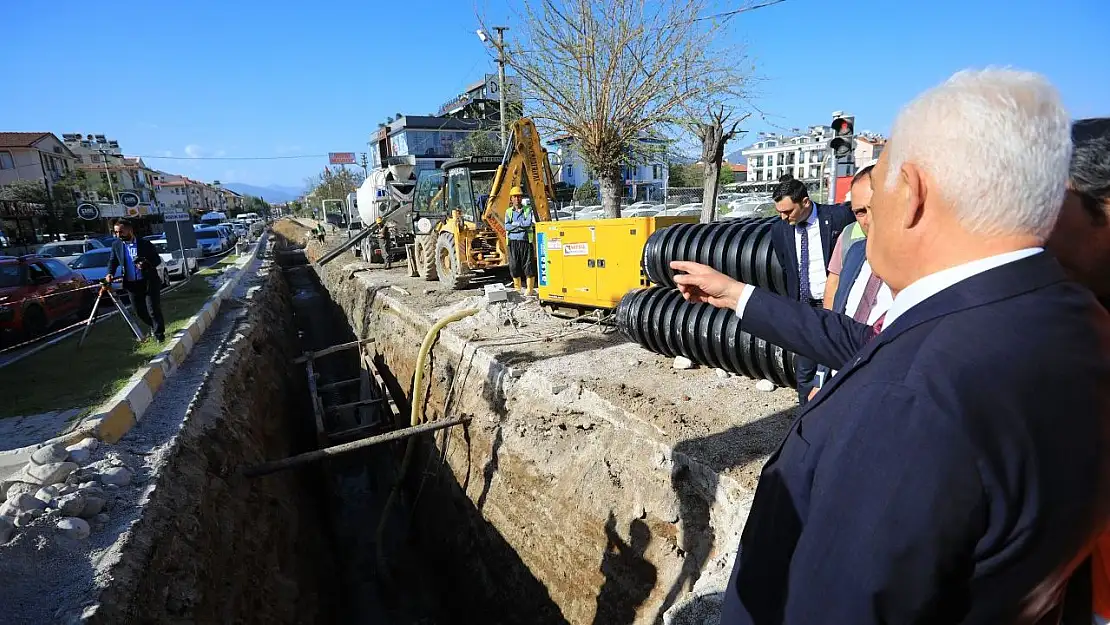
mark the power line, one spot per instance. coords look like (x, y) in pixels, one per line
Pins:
(738, 11)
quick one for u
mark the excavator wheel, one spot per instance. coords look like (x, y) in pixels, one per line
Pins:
(451, 272)
(425, 248)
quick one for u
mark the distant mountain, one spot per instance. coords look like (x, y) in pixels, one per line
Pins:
(272, 193)
(736, 157)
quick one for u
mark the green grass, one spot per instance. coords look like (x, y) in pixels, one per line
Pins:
(64, 376)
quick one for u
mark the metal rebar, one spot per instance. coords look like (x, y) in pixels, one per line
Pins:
(320, 454)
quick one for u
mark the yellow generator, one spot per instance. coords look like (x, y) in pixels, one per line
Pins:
(593, 263)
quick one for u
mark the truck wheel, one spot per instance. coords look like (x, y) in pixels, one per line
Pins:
(426, 257)
(451, 271)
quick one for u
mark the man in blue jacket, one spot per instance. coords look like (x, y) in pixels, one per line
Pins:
(933, 480)
(139, 260)
(520, 224)
(803, 240)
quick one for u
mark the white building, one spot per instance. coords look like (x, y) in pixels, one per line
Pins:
(642, 181)
(36, 156)
(799, 155)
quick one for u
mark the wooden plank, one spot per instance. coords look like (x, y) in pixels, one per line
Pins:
(317, 409)
(342, 383)
(394, 410)
(356, 404)
(329, 350)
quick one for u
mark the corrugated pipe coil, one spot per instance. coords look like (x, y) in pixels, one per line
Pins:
(661, 320)
(740, 249)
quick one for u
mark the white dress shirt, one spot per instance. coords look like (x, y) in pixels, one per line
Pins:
(817, 270)
(934, 283)
(883, 299)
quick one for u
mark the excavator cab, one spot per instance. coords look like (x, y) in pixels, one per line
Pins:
(458, 210)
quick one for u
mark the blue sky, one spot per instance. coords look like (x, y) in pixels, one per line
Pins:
(279, 78)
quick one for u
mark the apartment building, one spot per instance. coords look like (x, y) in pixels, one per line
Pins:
(800, 155)
(108, 173)
(34, 156)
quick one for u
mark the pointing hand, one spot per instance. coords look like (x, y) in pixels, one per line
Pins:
(700, 283)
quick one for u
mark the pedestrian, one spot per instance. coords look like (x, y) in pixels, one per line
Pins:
(139, 260)
(803, 241)
(384, 237)
(935, 481)
(860, 293)
(321, 233)
(520, 224)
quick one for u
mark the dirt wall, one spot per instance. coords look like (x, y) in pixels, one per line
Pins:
(213, 546)
(553, 505)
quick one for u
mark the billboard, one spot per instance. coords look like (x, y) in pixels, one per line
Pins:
(341, 158)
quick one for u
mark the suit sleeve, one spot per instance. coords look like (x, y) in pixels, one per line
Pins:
(896, 507)
(113, 261)
(829, 338)
(151, 254)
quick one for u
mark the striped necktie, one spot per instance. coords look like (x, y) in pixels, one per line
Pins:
(878, 325)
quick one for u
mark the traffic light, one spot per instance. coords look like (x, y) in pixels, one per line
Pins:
(843, 143)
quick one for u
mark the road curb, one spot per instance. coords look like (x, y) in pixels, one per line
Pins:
(115, 417)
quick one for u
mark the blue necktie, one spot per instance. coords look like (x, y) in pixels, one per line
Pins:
(803, 265)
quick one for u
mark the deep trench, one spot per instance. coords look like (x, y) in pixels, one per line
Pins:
(357, 484)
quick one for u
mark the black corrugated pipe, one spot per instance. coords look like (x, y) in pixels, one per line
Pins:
(661, 320)
(739, 248)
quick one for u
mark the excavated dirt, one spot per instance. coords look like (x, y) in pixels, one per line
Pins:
(595, 482)
(212, 546)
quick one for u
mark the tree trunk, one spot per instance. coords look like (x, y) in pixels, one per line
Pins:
(611, 185)
(712, 153)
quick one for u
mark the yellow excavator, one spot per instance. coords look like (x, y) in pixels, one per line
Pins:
(458, 212)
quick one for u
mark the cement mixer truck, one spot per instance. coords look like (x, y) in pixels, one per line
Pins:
(387, 192)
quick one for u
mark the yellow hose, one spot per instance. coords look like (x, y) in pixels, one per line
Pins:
(416, 416)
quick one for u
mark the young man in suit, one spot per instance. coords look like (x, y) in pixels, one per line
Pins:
(803, 240)
(933, 479)
(139, 259)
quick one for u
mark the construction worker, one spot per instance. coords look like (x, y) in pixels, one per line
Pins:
(519, 224)
(383, 242)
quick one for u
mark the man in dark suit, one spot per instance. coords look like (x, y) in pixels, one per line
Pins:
(803, 241)
(934, 479)
(139, 260)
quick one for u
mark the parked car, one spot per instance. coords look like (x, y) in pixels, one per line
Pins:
(211, 240)
(232, 237)
(240, 228)
(37, 292)
(175, 267)
(642, 211)
(68, 251)
(685, 210)
(106, 239)
(93, 266)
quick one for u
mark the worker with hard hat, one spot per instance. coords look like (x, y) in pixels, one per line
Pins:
(519, 224)
(384, 237)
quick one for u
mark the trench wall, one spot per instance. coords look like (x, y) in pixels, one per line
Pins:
(553, 505)
(213, 546)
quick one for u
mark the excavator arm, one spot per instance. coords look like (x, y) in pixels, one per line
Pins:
(524, 164)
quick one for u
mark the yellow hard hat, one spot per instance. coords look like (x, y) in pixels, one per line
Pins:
(516, 191)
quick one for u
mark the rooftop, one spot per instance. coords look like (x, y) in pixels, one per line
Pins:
(21, 139)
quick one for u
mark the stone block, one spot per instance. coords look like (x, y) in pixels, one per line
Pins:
(77, 529)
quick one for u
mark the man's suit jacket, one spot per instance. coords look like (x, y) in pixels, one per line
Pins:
(948, 473)
(145, 250)
(832, 219)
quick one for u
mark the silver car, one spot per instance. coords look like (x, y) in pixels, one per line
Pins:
(68, 251)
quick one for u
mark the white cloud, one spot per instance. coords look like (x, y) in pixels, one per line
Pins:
(193, 150)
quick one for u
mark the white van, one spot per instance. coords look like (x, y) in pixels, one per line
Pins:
(213, 218)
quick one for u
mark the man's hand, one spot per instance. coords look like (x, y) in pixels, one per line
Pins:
(699, 283)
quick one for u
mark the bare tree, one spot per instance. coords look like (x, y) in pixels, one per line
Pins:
(715, 129)
(612, 73)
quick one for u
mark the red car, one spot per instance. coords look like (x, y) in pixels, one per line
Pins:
(37, 292)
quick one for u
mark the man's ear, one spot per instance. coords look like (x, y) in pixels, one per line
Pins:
(911, 192)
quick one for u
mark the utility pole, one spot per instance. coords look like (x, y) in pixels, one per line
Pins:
(365, 164)
(501, 81)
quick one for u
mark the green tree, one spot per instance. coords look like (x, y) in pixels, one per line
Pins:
(33, 191)
(334, 184)
(586, 193)
(725, 177)
(680, 175)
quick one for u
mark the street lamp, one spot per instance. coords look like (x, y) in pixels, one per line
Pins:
(499, 45)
